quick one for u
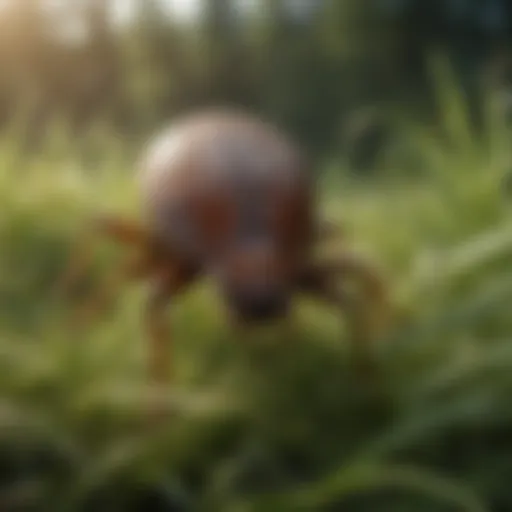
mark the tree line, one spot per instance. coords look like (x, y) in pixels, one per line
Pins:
(312, 74)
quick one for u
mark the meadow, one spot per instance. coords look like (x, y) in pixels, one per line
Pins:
(271, 422)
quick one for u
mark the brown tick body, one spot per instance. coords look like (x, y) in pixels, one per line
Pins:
(232, 197)
(229, 196)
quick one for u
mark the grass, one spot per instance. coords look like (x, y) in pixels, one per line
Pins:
(273, 422)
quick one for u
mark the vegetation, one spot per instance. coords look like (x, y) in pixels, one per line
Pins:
(311, 73)
(276, 421)
(282, 420)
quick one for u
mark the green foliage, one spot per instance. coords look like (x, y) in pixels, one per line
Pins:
(311, 74)
(276, 421)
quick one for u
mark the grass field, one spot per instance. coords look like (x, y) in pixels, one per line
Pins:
(266, 423)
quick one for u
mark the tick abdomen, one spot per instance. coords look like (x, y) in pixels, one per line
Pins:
(217, 179)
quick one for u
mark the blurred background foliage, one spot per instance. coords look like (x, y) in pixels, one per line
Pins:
(323, 69)
(412, 95)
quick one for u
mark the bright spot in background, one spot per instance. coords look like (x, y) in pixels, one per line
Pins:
(182, 10)
(185, 10)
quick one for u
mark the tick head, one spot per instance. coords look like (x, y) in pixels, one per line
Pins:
(254, 282)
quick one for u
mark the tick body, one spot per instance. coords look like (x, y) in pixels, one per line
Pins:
(227, 195)
(233, 197)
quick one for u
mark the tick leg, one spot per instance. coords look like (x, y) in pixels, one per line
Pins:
(319, 280)
(355, 267)
(166, 285)
(158, 332)
(117, 229)
(368, 312)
